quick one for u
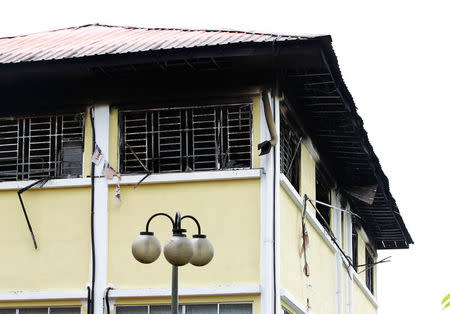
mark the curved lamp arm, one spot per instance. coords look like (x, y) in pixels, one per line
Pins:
(196, 222)
(159, 214)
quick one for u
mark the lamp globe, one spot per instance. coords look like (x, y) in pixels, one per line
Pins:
(178, 250)
(203, 250)
(146, 248)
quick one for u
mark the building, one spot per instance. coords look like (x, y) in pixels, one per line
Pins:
(190, 107)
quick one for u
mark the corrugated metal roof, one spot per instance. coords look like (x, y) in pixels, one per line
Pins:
(94, 39)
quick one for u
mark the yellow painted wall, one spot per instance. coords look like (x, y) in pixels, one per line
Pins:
(361, 304)
(61, 223)
(114, 137)
(308, 173)
(255, 299)
(228, 212)
(320, 259)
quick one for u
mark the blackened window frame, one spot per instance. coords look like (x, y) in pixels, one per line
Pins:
(290, 153)
(231, 150)
(46, 145)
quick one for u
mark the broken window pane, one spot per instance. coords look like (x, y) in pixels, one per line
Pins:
(188, 138)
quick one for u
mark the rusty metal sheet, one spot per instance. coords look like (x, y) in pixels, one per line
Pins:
(95, 39)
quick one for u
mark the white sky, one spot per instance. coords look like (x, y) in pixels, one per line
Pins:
(394, 57)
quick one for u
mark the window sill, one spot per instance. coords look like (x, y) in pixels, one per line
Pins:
(152, 179)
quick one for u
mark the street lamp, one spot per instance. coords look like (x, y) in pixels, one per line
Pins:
(178, 251)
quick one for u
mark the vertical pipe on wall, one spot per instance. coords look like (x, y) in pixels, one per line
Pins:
(348, 250)
(266, 216)
(270, 216)
(101, 114)
(276, 216)
(337, 230)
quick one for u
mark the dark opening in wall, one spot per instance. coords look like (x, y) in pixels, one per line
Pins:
(369, 271)
(186, 138)
(354, 248)
(323, 194)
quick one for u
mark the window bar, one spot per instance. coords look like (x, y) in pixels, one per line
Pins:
(29, 149)
(58, 152)
(186, 138)
(222, 144)
(146, 138)
(159, 142)
(53, 120)
(217, 147)
(152, 119)
(180, 140)
(125, 138)
(194, 163)
(228, 156)
(17, 149)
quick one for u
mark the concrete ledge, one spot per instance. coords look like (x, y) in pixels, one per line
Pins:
(152, 179)
(194, 291)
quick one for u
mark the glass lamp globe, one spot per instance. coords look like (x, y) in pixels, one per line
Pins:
(178, 250)
(203, 250)
(146, 248)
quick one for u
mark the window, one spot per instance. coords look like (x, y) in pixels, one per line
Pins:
(323, 194)
(355, 249)
(189, 138)
(38, 147)
(290, 154)
(220, 308)
(369, 271)
(43, 310)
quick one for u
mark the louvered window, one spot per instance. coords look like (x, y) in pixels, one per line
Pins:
(290, 141)
(190, 138)
(38, 147)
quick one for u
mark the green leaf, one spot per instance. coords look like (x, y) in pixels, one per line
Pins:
(447, 305)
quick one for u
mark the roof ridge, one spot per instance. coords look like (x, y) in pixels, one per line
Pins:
(158, 28)
(50, 31)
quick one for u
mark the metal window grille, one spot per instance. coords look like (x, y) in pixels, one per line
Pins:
(290, 154)
(190, 138)
(37, 147)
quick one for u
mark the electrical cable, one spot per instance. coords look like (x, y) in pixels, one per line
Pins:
(92, 213)
(107, 299)
(89, 300)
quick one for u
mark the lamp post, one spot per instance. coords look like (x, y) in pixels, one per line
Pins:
(178, 251)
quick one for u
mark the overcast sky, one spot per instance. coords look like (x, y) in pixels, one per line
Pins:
(394, 57)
